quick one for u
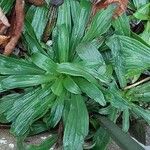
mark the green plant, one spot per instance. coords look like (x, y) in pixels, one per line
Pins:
(84, 74)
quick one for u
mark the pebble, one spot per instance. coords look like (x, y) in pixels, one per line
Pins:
(43, 137)
(11, 145)
(3, 141)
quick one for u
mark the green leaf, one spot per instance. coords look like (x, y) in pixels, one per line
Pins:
(125, 120)
(67, 104)
(28, 108)
(118, 61)
(146, 33)
(99, 74)
(140, 93)
(75, 10)
(71, 86)
(30, 39)
(130, 56)
(6, 5)
(139, 38)
(121, 138)
(81, 18)
(122, 25)
(3, 119)
(64, 15)
(139, 3)
(1, 78)
(37, 128)
(102, 137)
(77, 125)
(44, 62)
(90, 54)
(17, 81)
(100, 23)
(56, 112)
(30, 13)
(57, 87)
(75, 70)
(45, 145)
(21, 103)
(143, 12)
(63, 43)
(7, 102)
(139, 111)
(15, 66)
(55, 44)
(92, 91)
(117, 100)
(105, 110)
(40, 16)
(32, 111)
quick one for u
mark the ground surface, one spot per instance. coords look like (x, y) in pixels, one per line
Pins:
(7, 141)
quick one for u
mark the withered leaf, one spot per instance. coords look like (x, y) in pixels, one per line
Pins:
(122, 5)
(36, 2)
(3, 28)
(4, 24)
(15, 31)
(3, 18)
(3, 39)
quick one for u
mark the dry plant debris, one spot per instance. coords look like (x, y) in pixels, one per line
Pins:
(11, 32)
(36, 2)
(122, 5)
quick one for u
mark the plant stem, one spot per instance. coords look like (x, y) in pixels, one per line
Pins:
(137, 83)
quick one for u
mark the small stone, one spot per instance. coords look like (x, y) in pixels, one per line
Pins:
(43, 138)
(11, 145)
(3, 141)
(49, 43)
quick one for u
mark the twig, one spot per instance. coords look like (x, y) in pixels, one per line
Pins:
(137, 83)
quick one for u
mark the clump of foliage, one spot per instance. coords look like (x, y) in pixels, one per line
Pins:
(95, 70)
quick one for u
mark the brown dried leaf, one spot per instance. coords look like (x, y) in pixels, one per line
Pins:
(122, 5)
(3, 28)
(4, 24)
(15, 31)
(36, 2)
(3, 18)
(4, 39)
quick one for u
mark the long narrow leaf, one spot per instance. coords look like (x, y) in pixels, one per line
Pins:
(121, 138)
(77, 124)
(101, 22)
(15, 66)
(18, 81)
